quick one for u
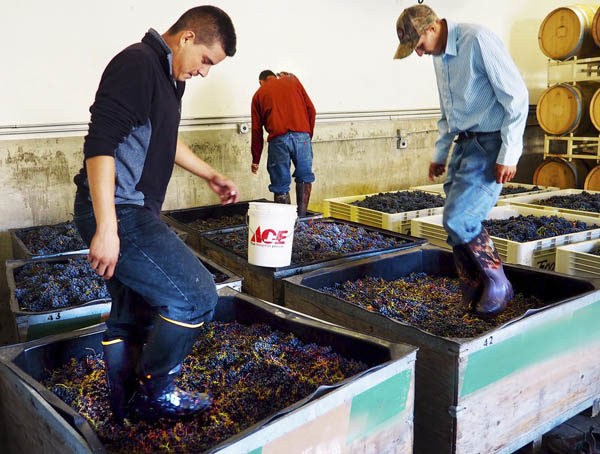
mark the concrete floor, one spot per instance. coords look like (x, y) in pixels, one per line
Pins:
(574, 427)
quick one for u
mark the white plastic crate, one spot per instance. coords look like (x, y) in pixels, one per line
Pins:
(436, 188)
(439, 189)
(530, 201)
(575, 259)
(341, 208)
(538, 253)
(528, 186)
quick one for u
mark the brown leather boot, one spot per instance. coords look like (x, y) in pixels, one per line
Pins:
(282, 198)
(497, 291)
(587, 443)
(302, 197)
(468, 274)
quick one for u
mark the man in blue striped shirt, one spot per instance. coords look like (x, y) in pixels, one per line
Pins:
(484, 105)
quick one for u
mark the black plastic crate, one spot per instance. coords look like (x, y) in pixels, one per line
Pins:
(21, 251)
(33, 325)
(533, 368)
(265, 282)
(350, 410)
(182, 218)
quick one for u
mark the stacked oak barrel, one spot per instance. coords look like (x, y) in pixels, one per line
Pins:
(571, 109)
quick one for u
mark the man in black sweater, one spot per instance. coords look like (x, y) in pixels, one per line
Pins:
(161, 294)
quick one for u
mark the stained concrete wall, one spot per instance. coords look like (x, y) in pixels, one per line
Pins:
(349, 158)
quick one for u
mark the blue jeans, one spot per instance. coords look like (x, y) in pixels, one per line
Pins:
(156, 273)
(471, 188)
(297, 148)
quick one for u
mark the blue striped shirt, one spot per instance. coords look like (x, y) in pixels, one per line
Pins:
(480, 90)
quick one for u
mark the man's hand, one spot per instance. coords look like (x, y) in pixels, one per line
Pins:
(435, 170)
(224, 188)
(254, 168)
(504, 173)
(104, 252)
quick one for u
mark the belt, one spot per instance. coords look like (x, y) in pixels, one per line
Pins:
(471, 134)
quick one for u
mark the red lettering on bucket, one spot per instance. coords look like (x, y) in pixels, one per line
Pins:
(281, 236)
(256, 237)
(263, 236)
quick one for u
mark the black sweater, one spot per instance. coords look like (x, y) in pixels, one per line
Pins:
(135, 119)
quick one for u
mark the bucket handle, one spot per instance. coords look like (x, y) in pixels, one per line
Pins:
(295, 222)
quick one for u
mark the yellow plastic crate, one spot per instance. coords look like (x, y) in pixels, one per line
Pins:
(538, 253)
(439, 189)
(575, 259)
(341, 208)
(529, 201)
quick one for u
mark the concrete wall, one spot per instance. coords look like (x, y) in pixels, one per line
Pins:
(354, 157)
(349, 158)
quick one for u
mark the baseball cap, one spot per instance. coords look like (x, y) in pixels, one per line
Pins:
(410, 26)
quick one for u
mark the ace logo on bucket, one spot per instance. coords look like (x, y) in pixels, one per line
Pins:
(270, 233)
(269, 237)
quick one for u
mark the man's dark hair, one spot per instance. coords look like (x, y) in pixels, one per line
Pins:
(266, 73)
(210, 24)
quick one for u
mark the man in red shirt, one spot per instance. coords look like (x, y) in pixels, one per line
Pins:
(283, 108)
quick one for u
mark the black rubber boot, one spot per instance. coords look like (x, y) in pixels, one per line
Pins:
(121, 358)
(157, 396)
(282, 198)
(303, 197)
(497, 291)
(469, 276)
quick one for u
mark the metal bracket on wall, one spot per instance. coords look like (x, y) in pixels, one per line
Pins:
(454, 409)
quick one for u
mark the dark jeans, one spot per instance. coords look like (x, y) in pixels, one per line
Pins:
(291, 147)
(471, 188)
(156, 273)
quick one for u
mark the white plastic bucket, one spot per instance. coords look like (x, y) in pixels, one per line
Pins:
(271, 233)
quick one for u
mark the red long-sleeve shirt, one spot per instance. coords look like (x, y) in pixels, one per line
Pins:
(280, 106)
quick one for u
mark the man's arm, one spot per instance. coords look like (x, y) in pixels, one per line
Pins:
(310, 108)
(104, 249)
(122, 103)
(257, 133)
(445, 138)
(222, 186)
(442, 145)
(512, 94)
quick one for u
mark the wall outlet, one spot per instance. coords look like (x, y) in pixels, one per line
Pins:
(401, 139)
